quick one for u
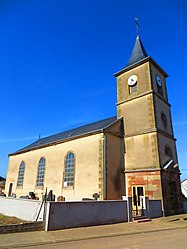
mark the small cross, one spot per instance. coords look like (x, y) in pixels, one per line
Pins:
(137, 25)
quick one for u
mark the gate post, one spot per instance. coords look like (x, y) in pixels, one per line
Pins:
(129, 206)
(144, 202)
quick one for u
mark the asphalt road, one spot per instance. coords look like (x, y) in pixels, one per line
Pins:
(170, 239)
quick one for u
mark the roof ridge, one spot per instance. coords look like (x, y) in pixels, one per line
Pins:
(78, 127)
(72, 133)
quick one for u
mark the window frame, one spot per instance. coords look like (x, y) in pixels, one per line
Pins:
(20, 177)
(40, 180)
(71, 174)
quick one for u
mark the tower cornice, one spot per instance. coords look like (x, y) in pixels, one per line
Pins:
(147, 59)
(142, 95)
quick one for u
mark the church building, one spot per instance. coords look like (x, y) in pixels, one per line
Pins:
(132, 154)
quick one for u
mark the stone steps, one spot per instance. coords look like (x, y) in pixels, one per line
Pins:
(139, 219)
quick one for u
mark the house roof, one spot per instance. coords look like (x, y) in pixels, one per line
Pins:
(66, 135)
(138, 52)
(2, 179)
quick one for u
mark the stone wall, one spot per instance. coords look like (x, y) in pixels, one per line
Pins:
(25, 227)
(155, 208)
(78, 214)
(150, 180)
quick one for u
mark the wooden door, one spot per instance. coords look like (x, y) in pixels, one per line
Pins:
(137, 191)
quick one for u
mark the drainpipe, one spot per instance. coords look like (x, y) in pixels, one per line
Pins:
(162, 200)
(104, 167)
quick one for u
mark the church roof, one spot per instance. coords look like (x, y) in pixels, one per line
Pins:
(66, 135)
(138, 52)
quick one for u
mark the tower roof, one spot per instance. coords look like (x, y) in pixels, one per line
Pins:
(139, 56)
(138, 52)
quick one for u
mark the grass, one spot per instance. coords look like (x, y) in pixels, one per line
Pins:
(7, 220)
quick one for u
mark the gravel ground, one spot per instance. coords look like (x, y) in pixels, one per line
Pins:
(6, 220)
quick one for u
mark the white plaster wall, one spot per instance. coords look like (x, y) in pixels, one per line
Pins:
(77, 214)
(86, 151)
(21, 208)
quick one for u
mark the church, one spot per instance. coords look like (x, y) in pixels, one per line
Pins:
(132, 154)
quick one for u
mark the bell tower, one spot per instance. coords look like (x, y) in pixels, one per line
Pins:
(151, 164)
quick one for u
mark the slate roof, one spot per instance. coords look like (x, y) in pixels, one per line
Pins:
(138, 52)
(66, 135)
(2, 179)
(138, 55)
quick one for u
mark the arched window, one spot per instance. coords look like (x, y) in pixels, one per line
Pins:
(41, 172)
(21, 174)
(69, 170)
(168, 151)
(164, 120)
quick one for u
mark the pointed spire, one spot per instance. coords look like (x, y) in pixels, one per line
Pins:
(138, 52)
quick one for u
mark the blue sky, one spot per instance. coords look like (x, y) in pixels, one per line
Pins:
(58, 57)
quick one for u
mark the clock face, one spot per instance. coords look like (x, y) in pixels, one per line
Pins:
(158, 80)
(132, 80)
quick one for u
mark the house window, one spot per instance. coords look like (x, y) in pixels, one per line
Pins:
(69, 170)
(21, 174)
(41, 173)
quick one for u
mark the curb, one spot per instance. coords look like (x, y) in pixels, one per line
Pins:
(89, 237)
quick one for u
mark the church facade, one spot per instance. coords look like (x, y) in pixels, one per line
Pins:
(133, 154)
(74, 164)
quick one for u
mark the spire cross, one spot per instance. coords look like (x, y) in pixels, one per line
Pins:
(137, 25)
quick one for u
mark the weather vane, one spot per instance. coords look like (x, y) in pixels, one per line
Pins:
(137, 25)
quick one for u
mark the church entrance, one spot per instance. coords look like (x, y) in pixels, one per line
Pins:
(137, 191)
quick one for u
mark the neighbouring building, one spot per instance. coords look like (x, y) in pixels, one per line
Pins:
(2, 185)
(184, 188)
(132, 154)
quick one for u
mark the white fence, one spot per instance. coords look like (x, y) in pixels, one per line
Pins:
(77, 214)
(21, 208)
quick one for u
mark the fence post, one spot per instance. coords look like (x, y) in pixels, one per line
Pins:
(43, 203)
